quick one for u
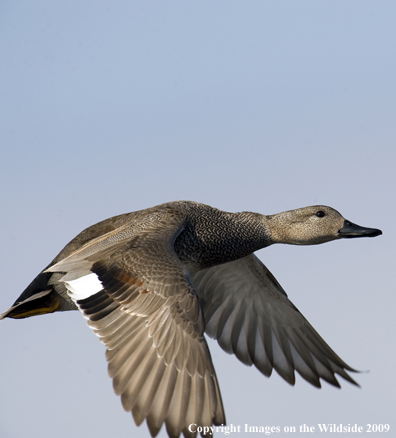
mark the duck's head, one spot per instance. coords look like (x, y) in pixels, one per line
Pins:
(313, 225)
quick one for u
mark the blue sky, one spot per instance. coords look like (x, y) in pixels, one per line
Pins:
(263, 106)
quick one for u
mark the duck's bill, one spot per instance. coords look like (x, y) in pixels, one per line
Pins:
(352, 230)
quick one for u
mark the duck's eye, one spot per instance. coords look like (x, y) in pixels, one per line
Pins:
(320, 213)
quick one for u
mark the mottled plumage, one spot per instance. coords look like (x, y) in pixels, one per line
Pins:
(152, 282)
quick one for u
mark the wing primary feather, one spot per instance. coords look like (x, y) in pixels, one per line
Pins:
(161, 402)
(125, 349)
(181, 394)
(261, 360)
(281, 362)
(143, 384)
(122, 367)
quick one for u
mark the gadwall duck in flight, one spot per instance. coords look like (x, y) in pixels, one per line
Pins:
(152, 282)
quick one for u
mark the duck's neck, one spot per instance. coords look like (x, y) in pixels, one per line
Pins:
(280, 227)
(219, 237)
(252, 231)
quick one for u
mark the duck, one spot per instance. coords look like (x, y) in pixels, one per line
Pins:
(152, 283)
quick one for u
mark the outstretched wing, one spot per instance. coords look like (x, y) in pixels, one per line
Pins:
(139, 299)
(250, 315)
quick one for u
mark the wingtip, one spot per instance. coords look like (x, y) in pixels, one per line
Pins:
(153, 428)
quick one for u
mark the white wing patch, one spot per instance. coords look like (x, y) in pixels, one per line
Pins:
(84, 287)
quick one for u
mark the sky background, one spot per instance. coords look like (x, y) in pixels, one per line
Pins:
(265, 106)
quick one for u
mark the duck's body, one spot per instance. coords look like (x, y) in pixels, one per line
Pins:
(153, 281)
